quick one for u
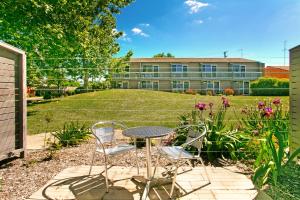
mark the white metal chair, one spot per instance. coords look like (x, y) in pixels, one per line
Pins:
(104, 132)
(178, 155)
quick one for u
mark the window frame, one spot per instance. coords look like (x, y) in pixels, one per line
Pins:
(212, 72)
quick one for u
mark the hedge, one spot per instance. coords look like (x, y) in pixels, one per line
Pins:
(270, 87)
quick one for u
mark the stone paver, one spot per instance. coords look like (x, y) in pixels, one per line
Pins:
(74, 183)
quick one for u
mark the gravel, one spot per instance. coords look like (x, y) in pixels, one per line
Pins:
(20, 178)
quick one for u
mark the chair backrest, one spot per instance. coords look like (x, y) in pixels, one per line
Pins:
(195, 137)
(104, 131)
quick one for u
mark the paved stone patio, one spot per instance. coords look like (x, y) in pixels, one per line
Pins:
(74, 183)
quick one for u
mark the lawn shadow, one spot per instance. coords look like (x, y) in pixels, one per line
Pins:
(35, 103)
(31, 113)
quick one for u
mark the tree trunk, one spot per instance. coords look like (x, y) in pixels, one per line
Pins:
(86, 80)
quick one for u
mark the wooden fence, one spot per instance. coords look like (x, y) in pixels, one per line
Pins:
(12, 101)
(295, 97)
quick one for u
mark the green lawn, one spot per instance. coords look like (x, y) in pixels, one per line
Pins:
(133, 107)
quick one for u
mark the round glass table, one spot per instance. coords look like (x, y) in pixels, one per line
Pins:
(147, 132)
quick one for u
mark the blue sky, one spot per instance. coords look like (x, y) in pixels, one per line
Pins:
(207, 28)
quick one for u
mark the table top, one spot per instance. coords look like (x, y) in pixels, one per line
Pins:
(147, 131)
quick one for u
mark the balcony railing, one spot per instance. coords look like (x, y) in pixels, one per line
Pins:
(189, 76)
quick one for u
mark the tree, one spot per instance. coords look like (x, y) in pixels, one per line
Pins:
(77, 35)
(163, 55)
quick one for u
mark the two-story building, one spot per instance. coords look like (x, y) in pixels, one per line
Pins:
(199, 74)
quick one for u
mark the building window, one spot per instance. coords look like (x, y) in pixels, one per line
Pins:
(152, 85)
(127, 70)
(213, 86)
(246, 87)
(179, 68)
(239, 70)
(149, 71)
(155, 71)
(155, 85)
(209, 70)
(180, 85)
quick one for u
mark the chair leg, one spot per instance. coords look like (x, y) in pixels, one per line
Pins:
(92, 162)
(205, 169)
(106, 177)
(156, 164)
(174, 179)
(137, 162)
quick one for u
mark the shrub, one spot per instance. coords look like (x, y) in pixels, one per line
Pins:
(70, 92)
(270, 87)
(80, 90)
(210, 93)
(47, 95)
(228, 91)
(72, 134)
(191, 91)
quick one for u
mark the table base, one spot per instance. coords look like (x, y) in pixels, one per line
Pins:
(151, 183)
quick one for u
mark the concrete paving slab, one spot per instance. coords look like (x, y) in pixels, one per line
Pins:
(75, 183)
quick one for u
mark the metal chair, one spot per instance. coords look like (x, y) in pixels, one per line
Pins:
(104, 132)
(178, 155)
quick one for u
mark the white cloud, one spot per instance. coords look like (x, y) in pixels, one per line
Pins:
(145, 24)
(198, 21)
(138, 31)
(195, 5)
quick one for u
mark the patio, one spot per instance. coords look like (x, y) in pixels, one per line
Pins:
(74, 183)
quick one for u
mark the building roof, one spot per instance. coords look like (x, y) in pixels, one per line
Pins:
(294, 48)
(278, 67)
(193, 60)
(276, 72)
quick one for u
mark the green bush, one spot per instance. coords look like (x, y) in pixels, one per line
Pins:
(70, 92)
(72, 134)
(80, 90)
(270, 87)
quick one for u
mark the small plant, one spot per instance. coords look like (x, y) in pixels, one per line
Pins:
(271, 159)
(210, 93)
(191, 91)
(228, 91)
(219, 141)
(72, 134)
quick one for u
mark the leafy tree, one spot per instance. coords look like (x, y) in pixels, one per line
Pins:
(77, 35)
(162, 55)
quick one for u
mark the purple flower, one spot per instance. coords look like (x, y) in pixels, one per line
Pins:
(261, 105)
(200, 106)
(276, 101)
(225, 102)
(268, 112)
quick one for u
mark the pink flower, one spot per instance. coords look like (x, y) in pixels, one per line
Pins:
(261, 105)
(276, 101)
(225, 102)
(200, 106)
(268, 112)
